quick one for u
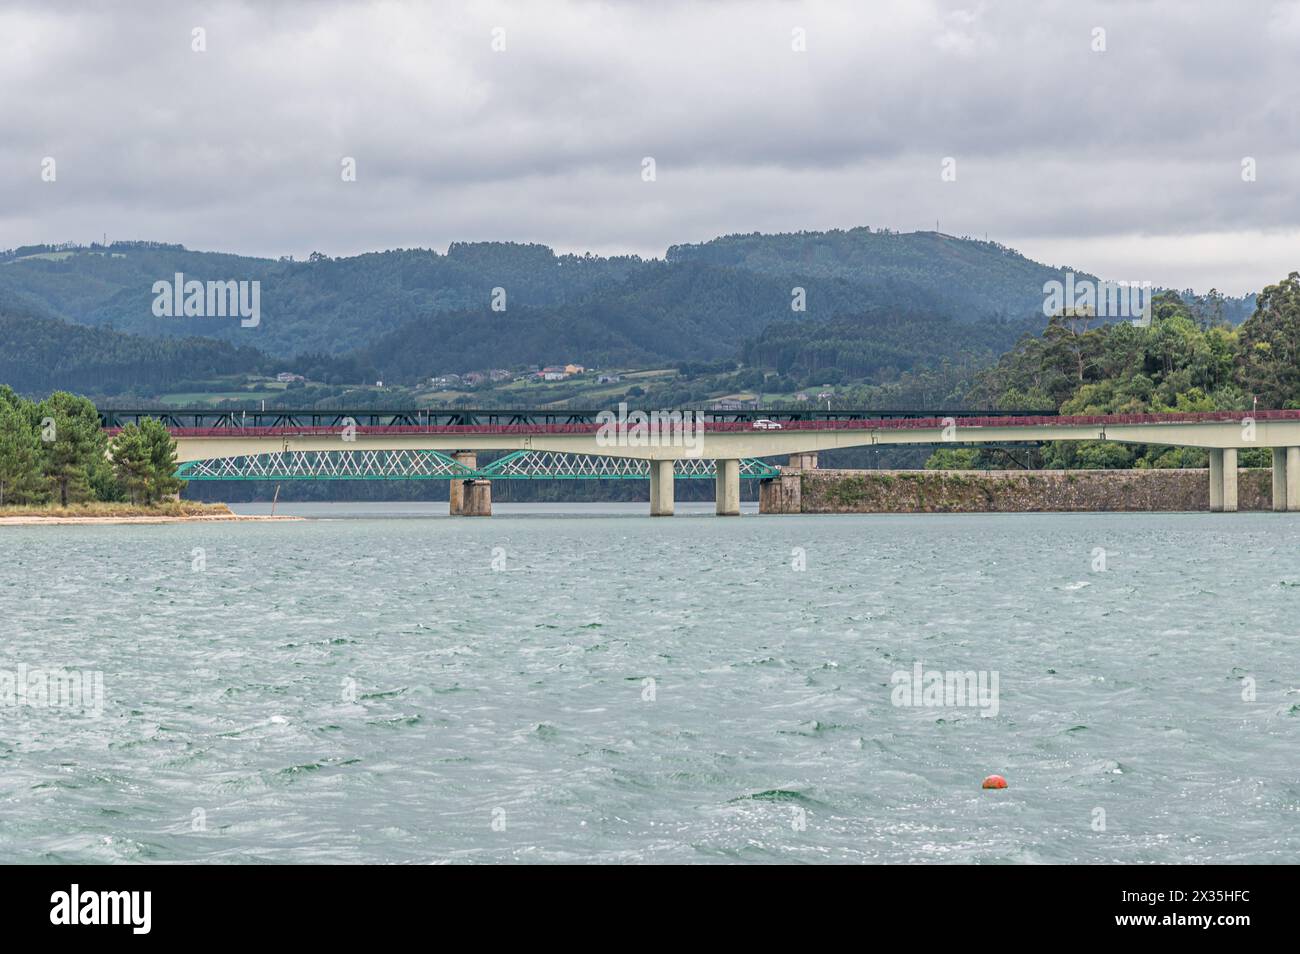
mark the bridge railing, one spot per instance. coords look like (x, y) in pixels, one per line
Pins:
(446, 417)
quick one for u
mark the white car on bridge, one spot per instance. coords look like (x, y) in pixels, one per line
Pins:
(763, 424)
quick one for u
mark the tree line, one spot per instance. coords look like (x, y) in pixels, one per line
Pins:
(54, 451)
(1186, 359)
(41, 354)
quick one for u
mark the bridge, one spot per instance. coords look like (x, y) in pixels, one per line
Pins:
(665, 446)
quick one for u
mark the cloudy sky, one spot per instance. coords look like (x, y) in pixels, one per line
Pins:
(1125, 161)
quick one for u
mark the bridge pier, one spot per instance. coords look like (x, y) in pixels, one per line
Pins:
(1216, 480)
(1286, 478)
(727, 488)
(1279, 478)
(1223, 480)
(782, 494)
(469, 498)
(661, 488)
(1230, 480)
(477, 500)
(1292, 481)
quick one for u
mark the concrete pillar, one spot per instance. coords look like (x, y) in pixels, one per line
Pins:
(661, 488)
(469, 498)
(728, 488)
(1279, 478)
(1230, 480)
(804, 461)
(1293, 478)
(1216, 480)
(782, 494)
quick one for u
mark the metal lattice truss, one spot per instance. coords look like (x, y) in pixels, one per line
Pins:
(549, 465)
(330, 465)
(434, 465)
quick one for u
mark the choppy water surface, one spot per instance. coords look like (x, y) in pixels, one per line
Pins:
(504, 714)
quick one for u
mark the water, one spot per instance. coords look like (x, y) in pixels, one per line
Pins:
(516, 699)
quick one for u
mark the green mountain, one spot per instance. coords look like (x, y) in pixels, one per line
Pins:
(960, 278)
(879, 345)
(874, 304)
(341, 305)
(334, 305)
(662, 314)
(964, 278)
(40, 354)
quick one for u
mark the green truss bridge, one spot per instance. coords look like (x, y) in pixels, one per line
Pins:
(435, 465)
(470, 485)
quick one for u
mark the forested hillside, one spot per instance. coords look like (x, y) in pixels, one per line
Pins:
(714, 292)
(857, 307)
(1184, 361)
(39, 354)
(661, 315)
(879, 345)
(962, 278)
(323, 304)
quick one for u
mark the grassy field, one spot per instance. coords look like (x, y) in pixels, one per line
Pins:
(581, 390)
(256, 390)
(194, 398)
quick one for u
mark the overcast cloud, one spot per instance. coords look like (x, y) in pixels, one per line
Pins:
(1127, 162)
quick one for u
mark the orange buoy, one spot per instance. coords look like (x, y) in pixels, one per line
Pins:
(995, 781)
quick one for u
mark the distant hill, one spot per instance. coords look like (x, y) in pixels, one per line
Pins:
(406, 314)
(662, 314)
(335, 305)
(39, 354)
(960, 278)
(879, 346)
(339, 305)
(965, 279)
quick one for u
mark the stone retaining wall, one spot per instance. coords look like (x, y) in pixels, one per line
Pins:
(1004, 491)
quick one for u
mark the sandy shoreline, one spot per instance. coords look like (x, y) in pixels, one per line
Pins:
(31, 521)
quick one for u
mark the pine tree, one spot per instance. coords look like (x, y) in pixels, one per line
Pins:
(21, 480)
(72, 442)
(162, 458)
(131, 462)
(144, 459)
